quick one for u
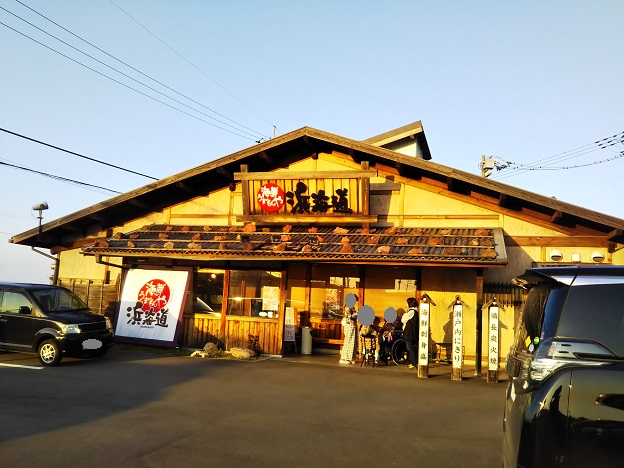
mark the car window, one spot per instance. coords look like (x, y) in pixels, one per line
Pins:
(595, 312)
(58, 300)
(12, 301)
(539, 317)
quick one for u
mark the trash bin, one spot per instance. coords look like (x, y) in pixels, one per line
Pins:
(306, 340)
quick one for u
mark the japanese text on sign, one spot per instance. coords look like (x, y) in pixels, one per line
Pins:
(457, 335)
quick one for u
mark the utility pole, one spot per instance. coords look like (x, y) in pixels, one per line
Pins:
(487, 164)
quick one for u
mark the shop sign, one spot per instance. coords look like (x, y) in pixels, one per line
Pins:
(271, 198)
(457, 334)
(151, 306)
(493, 345)
(423, 346)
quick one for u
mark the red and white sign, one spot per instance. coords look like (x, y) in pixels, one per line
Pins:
(151, 306)
(270, 197)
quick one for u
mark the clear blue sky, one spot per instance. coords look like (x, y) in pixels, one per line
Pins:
(521, 81)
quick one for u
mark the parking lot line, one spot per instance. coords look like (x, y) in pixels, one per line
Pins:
(2, 364)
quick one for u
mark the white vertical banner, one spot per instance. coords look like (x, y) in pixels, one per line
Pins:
(457, 335)
(289, 324)
(423, 339)
(151, 306)
(494, 335)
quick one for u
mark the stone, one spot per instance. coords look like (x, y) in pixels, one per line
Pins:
(211, 349)
(242, 353)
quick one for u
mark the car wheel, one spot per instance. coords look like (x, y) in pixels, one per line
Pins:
(49, 353)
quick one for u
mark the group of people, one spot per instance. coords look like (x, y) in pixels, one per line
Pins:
(384, 333)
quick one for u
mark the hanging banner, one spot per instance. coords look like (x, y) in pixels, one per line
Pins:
(457, 335)
(289, 324)
(493, 346)
(151, 306)
(423, 340)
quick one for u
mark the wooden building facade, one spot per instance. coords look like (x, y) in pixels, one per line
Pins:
(294, 224)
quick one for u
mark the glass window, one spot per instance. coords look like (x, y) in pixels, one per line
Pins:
(254, 293)
(389, 287)
(12, 301)
(329, 289)
(595, 313)
(208, 292)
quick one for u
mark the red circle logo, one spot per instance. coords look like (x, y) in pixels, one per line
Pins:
(154, 295)
(270, 197)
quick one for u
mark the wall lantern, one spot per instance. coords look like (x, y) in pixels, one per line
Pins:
(597, 257)
(555, 255)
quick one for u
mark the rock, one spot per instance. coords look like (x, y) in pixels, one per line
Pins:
(211, 349)
(242, 353)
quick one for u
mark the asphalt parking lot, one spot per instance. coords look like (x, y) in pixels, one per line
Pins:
(137, 409)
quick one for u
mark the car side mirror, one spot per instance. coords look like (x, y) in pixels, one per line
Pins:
(24, 310)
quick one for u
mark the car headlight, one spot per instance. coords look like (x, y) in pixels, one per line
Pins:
(72, 328)
(109, 325)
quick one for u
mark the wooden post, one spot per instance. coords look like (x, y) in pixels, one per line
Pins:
(423, 336)
(458, 358)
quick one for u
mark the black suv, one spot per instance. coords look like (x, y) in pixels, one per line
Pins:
(565, 398)
(50, 321)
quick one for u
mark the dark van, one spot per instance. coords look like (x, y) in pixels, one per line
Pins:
(50, 321)
(565, 397)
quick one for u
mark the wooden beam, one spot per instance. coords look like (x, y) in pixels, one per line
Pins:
(184, 187)
(266, 158)
(307, 219)
(556, 241)
(98, 217)
(400, 168)
(557, 217)
(137, 203)
(224, 172)
(617, 235)
(296, 175)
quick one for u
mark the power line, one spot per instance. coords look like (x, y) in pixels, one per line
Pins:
(549, 162)
(193, 65)
(75, 154)
(62, 179)
(123, 84)
(131, 67)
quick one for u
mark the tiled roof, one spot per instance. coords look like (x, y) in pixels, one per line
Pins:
(411, 245)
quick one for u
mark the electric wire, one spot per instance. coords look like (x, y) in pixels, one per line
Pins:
(56, 177)
(75, 154)
(193, 65)
(124, 84)
(254, 137)
(135, 69)
(550, 162)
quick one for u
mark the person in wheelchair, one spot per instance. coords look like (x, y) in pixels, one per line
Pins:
(386, 336)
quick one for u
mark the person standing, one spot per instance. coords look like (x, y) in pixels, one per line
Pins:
(410, 331)
(349, 327)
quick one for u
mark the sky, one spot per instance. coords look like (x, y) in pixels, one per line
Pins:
(532, 83)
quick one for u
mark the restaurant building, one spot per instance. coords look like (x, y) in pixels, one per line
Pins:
(274, 237)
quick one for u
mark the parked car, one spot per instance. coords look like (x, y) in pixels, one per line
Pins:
(565, 398)
(50, 321)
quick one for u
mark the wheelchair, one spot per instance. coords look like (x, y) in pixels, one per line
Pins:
(395, 350)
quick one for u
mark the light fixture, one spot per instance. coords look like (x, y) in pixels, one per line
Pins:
(597, 257)
(576, 257)
(555, 255)
(40, 207)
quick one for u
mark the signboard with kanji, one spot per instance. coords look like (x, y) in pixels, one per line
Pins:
(457, 335)
(493, 340)
(151, 306)
(423, 339)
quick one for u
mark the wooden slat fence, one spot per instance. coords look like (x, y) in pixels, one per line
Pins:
(101, 297)
(506, 294)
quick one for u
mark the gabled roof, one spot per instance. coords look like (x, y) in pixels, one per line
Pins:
(304, 143)
(392, 138)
